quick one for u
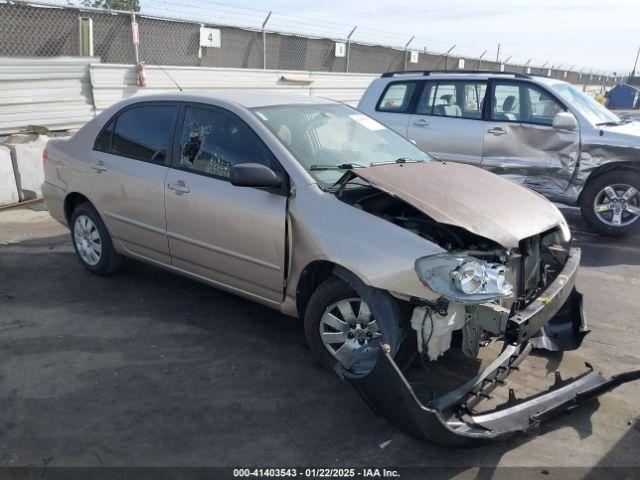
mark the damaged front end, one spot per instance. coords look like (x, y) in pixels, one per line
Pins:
(553, 321)
(522, 295)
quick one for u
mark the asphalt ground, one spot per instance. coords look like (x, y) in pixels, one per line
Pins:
(146, 368)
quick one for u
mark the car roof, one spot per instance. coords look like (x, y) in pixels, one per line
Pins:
(465, 75)
(244, 98)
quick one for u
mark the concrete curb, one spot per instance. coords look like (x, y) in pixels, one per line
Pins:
(8, 188)
(26, 156)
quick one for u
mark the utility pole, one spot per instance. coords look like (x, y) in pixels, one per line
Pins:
(498, 54)
(635, 64)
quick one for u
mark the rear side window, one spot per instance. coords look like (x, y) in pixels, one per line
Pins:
(453, 99)
(141, 133)
(103, 142)
(397, 97)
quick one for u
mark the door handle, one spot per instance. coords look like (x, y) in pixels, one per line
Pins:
(179, 187)
(497, 131)
(98, 166)
(421, 122)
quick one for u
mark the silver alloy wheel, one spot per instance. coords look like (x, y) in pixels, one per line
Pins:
(617, 205)
(347, 325)
(87, 240)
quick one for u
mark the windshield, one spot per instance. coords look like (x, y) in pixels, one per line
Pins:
(327, 139)
(587, 106)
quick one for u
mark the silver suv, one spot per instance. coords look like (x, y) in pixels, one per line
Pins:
(540, 132)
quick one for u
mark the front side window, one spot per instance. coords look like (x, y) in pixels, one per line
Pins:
(519, 102)
(397, 97)
(143, 132)
(323, 138)
(595, 112)
(212, 141)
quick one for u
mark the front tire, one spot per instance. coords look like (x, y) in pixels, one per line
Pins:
(610, 204)
(92, 241)
(337, 323)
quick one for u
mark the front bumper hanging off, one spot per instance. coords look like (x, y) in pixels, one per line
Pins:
(448, 420)
(553, 322)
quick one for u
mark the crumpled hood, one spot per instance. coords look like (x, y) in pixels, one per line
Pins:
(467, 197)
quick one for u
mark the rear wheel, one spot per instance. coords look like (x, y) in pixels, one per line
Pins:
(92, 241)
(610, 204)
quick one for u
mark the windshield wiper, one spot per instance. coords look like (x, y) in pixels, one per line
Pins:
(342, 166)
(610, 124)
(398, 160)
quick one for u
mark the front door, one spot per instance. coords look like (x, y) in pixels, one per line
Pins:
(520, 141)
(130, 163)
(232, 236)
(447, 121)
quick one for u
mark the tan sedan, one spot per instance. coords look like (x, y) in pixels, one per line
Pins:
(313, 208)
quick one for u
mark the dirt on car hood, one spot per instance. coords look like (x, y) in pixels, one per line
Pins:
(467, 197)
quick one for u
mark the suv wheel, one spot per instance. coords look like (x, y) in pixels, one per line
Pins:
(338, 324)
(92, 242)
(611, 203)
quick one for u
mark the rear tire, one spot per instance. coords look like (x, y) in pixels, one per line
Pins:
(605, 207)
(92, 241)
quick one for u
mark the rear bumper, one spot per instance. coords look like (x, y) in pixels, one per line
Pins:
(54, 200)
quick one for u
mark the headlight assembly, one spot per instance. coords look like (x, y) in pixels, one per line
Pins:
(464, 279)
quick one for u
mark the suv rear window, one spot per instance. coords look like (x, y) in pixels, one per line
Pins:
(397, 97)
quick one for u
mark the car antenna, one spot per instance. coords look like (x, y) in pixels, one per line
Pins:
(170, 77)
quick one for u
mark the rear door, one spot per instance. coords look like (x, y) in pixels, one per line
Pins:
(520, 141)
(231, 236)
(447, 121)
(130, 163)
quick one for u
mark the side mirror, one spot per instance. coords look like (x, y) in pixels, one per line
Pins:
(254, 175)
(565, 121)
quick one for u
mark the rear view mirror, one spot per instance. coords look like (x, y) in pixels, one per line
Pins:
(565, 121)
(254, 175)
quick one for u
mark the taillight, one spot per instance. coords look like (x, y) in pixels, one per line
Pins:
(45, 157)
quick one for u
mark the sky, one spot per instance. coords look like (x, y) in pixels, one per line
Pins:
(593, 34)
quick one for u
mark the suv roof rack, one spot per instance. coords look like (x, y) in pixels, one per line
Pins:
(429, 72)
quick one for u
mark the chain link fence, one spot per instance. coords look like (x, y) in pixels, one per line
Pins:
(169, 34)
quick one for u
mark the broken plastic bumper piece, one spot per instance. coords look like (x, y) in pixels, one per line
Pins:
(450, 420)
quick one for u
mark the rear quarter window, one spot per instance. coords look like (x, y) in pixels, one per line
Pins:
(396, 97)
